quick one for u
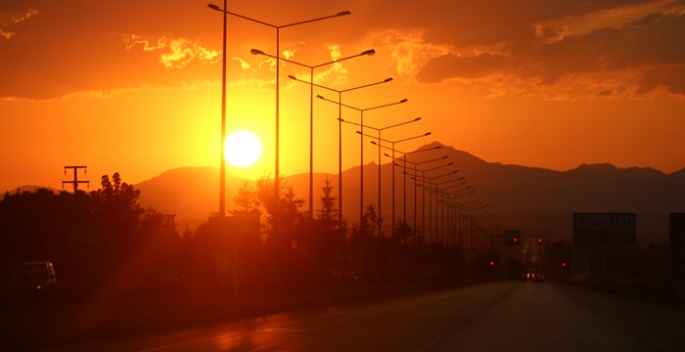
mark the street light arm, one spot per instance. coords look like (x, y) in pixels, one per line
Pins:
(376, 138)
(385, 105)
(458, 190)
(380, 145)
(473, 201)
(328, 100)
(338, 91)
(410, 138)
(446, 174)
(339, 103)
(427, 161)
(456, 196)
(370, 52)
(439, 167)
(366, 85)
(339, 14)
(217, 8)
(360, 125)
(400, 124)
(259, 52)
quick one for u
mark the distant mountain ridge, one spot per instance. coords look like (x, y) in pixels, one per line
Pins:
(519, 196)
(528, 198)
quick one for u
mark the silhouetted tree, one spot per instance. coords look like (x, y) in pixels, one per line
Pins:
(116, 212)
(361, 241)
(324, 239)
(283, 223)
(246, 201)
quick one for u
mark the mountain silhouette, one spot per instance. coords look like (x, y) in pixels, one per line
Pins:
(531, 199)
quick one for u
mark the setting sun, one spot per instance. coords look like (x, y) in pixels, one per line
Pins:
(242, 149)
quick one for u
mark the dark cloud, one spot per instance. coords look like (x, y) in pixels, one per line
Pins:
(77, 45)
(649, 48)
(478, 22)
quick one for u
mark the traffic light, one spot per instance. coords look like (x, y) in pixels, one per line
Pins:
(563, 264)
(492, 263)
(512, 237)
(539, 241)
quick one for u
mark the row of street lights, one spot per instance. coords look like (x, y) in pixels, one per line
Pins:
(340, 121)
(222, 173)
(361, 125)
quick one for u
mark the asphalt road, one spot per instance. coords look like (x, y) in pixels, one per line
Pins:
(503, 316)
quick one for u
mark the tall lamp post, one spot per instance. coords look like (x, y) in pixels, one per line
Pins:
(393, 166)
(433, 188)
(361, 162)
(370, 52)
(423, 194)
(404, 170)
(340, 192)
(278, 48)
(380, 130)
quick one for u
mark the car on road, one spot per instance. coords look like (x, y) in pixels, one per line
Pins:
(537, 277)
(33, 281)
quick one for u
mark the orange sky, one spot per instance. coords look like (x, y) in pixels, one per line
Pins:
(134, 87)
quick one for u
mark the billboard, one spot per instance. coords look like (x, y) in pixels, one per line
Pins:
(609, 228)
(677, 231)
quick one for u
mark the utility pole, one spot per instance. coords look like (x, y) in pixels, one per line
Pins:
(75, 181)
(171, 220)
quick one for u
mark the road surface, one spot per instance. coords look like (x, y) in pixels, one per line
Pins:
(502, 316)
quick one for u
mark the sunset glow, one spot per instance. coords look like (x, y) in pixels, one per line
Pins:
(552, 86)
(270, 174)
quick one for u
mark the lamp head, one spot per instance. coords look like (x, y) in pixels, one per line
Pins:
(341, 120)
(359, 132)
(438, 147)
(214, 7)
(427, 134)
(344, 13)
(292, 77)
(256, 52)
(404, 100)
(370, 52)
(320, 97)
(417, 119)
(387, 80)
(445, 157)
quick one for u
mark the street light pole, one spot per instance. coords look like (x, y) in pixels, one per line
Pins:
(432, 178)
(311, 110)
(278, 40)
(433, 188)
(361, 163)
(339, 103)
(380, 130)
(222, 169)
(393, 166)
(423, 194)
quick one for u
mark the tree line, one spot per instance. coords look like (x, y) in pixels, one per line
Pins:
(104, 243)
